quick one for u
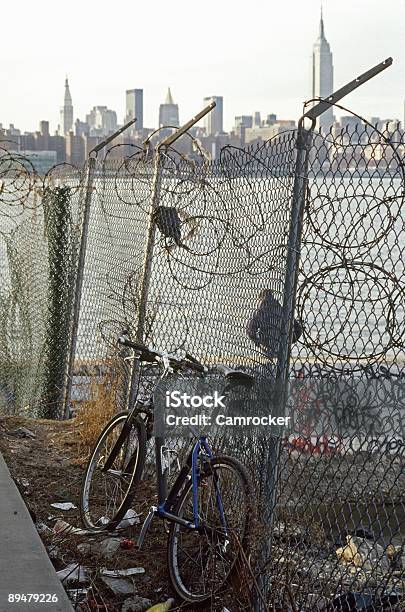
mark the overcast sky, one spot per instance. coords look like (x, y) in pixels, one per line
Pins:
(256, 54)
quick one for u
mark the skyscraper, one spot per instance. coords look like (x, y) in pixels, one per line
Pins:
(66, 111)
(169, 111)
(102, 121)
(322, 74)
(257, 120)
(214, 121)
(134, 107)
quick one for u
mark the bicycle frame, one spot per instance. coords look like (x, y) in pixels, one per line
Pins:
(166, 502)
(132, 413)
(122, 437)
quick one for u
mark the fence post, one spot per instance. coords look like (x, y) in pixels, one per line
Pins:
(91, 164)
(272, 450)
(60, 237)
(271, 459)
(148, 255)
(147, 269)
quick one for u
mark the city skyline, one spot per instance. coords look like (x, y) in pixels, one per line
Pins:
(264, 70)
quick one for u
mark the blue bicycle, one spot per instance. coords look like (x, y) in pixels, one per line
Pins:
(209, 506)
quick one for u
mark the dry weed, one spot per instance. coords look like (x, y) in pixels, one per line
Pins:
(94, 413)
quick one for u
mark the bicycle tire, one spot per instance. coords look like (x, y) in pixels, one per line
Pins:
(175, 529)
(134, 470)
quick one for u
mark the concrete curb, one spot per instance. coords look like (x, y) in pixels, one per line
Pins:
(24, 564)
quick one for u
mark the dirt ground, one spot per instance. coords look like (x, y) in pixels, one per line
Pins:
(46, 470)
(49, 468)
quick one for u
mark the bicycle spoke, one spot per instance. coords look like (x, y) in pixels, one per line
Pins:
(106, 491)
(203, 559)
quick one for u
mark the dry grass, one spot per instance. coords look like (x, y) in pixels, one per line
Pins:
(93, 414)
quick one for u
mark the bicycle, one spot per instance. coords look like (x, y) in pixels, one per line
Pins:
(209, 506)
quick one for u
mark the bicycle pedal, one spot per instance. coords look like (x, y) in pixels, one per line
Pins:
(146, 526)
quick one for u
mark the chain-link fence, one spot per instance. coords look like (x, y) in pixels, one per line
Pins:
(41, 223)
(341, 523)
(190, 254)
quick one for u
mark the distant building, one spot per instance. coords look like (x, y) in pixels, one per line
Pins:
(134, 107)
(89, 142)
(214, 121)
(102, 121)
(12, 131)
(66, 112)
(391, 128)
(322, 74)
(257, 120)
(27, 141)
(351, 123)
(57, 143)
(271, 119)
(49, 148)
(74, 149)
(349, 129)
(197, 131)
(43, 141)
(169, 112)
(81, 128)
(245, 121)
(373, 120)
(42, 137)
(241, 123)
(265, 132)
(214, 144)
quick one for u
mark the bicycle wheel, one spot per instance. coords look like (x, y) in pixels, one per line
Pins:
(106, 495)
(201, 561)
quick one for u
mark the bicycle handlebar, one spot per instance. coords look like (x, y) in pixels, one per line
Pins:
(147, 354)
(192, 363)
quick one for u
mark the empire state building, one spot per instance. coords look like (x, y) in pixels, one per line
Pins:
(322, 74)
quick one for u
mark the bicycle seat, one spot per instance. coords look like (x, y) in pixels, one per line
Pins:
(238, 376)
